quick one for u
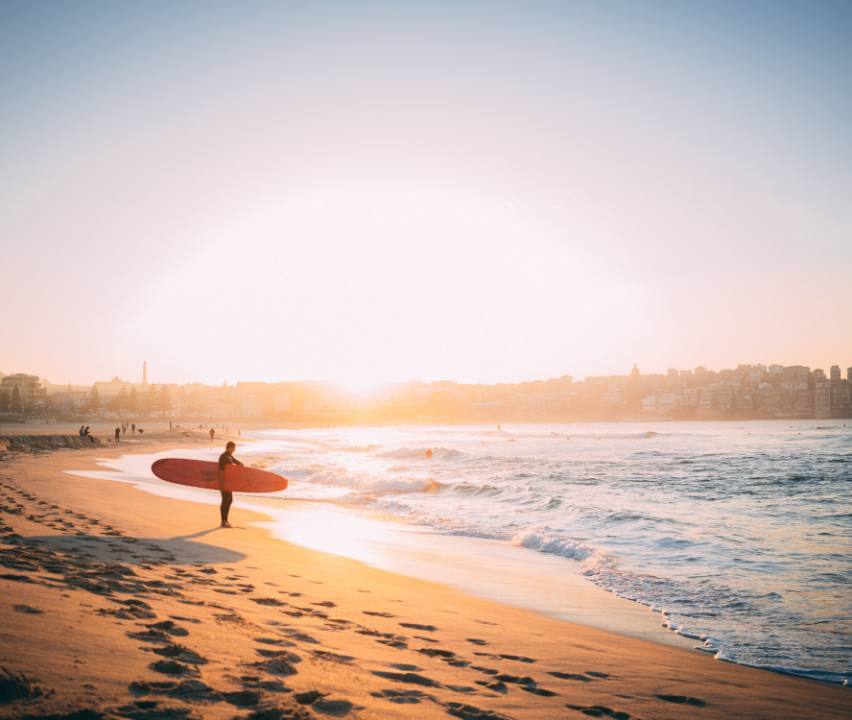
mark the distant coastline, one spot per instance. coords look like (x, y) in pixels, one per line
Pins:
(747, 392)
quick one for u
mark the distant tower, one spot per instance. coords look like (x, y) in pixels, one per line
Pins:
(144, 372)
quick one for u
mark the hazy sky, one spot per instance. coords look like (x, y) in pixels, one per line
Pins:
(384, 191)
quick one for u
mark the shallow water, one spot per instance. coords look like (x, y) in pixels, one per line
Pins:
(740, 533)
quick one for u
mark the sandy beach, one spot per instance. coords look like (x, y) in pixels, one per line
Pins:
(119, 603)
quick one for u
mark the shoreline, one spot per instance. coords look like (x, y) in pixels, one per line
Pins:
(104, 427)
(640, 665)
(484, 568)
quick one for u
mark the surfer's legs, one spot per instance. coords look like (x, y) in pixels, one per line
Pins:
(227, 499)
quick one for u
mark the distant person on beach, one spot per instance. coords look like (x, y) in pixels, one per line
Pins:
(429, 454)
(80, 431)
(212, 433)
(226, 458)
(118, 434)
(133, 428)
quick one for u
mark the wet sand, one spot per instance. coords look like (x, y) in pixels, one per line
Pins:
(118, 603)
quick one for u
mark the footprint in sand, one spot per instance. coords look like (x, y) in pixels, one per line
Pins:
(600, 711)
(402, 697)
(141, 710)
(180, 653)
(319, 702)
(191, 690)
(515, 679)
(267, 653)
(517, 658)
(273, 641)
(469, 712)
(535, 690)
(173, 667)
(231, 618)
(486, 670)
(183, 618)
(437, 652)
(268, 601)
(332, 706)
(170, 627)
(16, 686)
(242, 698)
(276, 666)
(570, 676)
(407, 677)
(255, 682)
(337, 623)
(682, 700)
(495, 685)
(309, 697)
(418, 626)
(333, 656)
(27, 609)
(300, 636)
(151, 636)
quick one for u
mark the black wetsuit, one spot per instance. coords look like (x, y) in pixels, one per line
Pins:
(227, 498)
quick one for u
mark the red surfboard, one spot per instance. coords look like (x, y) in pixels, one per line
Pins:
(205, 474)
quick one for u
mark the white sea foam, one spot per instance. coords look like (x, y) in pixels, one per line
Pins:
(438, 453)
(365, 483)
(702, 519)
(549, 543)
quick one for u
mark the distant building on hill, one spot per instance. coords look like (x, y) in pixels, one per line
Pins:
(822, 400)
(108, 389)
(25, 391)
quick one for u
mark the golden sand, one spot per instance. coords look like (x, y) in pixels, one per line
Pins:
(126, 604)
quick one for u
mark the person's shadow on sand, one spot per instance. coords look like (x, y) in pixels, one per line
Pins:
(202, 533)
(126, 549)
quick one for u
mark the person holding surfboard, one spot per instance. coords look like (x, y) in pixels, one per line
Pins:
(226, 458)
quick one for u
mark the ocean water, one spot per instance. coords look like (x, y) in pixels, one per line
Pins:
(739, 534)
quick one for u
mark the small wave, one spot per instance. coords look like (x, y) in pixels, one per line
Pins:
(646, 435)
(365, 484)
(407, 485)
(549, 543)
(358, 448)
(440, 453)
(475, 489)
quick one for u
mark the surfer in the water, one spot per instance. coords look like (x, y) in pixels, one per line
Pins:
(226, 458)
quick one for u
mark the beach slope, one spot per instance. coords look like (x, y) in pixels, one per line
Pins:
(119, 603)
